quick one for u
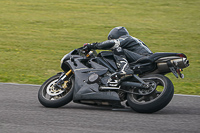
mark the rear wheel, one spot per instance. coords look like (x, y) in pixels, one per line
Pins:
(53, 97)
(153, 99)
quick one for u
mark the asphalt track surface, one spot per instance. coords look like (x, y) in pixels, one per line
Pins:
(20, 112)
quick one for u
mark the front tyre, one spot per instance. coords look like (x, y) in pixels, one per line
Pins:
(50, 96)
(156, 100)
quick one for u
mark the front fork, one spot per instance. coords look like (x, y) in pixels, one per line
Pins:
(62, 78)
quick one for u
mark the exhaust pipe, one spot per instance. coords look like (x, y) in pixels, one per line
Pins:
(162, 67)
(181, 63)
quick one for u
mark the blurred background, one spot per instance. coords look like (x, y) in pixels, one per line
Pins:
(36, 34)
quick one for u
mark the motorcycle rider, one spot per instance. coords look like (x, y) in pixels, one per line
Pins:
(125, 48)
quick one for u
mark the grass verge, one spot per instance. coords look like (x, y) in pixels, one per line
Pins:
(35, 34)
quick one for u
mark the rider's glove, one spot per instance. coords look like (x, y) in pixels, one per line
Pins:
(88, 46)
(85, 44)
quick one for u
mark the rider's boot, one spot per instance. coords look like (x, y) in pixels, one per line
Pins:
(123, 67)
(124, 70)
(121, 62)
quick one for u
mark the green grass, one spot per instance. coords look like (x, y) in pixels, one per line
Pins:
(35, 34)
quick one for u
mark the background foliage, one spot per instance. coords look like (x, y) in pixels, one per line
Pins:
(35, 34)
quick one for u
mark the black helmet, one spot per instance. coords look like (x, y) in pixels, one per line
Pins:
(116, 32)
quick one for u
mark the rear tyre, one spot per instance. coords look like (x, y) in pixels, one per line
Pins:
(51, 97)
(157, 99)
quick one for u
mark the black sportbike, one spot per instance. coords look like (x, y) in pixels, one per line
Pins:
(86, 79)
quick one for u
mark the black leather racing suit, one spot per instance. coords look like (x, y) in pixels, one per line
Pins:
(127, 45)
(126, 49)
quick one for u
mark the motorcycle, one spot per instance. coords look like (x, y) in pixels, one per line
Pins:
(86, 80)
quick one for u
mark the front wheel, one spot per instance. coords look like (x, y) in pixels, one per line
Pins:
(51, 96)
(154, 101)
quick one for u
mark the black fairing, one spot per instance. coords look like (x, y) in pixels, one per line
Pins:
(83, 89)
(70, 55)
(107, 59)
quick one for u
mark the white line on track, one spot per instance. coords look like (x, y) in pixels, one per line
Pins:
(187, 95)
(40, 85)
(19, 84)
